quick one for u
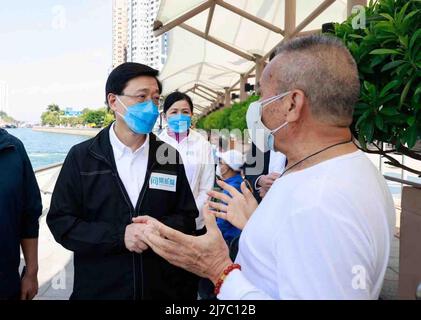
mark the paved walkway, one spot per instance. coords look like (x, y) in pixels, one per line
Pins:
(391, 280)
(55, 267)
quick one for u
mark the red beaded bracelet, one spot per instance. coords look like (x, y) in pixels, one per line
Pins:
(225, 274)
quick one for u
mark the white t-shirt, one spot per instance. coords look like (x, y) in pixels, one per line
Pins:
(320, 233)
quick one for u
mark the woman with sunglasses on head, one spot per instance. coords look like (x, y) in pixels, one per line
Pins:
(195, 150)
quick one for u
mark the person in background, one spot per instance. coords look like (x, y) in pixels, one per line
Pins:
(277, 164)
(214, 142)
(256, 165)
(195, 150)
(20, 209)
(262, 169)
(229, 171)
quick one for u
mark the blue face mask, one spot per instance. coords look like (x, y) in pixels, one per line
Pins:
(140, 117)
(179, 123)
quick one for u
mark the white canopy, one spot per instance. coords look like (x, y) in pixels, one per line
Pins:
(213, 42)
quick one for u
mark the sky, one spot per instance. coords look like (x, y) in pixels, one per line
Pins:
(54, 52)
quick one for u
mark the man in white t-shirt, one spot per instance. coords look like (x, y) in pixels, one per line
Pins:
(323, 230)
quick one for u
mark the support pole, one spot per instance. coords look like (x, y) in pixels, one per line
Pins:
(243, 93)
(227, 103)
(260, 65)
(290, 17)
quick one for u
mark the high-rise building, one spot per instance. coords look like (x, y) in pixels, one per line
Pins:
(120, 32)
(143, 46)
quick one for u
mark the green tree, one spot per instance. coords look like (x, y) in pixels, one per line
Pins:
(85, 110)
(227, 118)
(55, 116)
(6, 118)
(95, 117)
(50, 118)
(109, 118)
(237, 117)
(388, 55)
(53, 108)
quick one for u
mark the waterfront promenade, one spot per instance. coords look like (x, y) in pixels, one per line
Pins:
(74, 131)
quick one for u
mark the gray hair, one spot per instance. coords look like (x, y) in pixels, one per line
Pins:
(325, 70)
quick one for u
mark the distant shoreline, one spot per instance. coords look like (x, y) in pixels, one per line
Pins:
(72, 131)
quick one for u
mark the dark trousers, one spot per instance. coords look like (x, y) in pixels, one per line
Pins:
(13, 297)
(206, 289)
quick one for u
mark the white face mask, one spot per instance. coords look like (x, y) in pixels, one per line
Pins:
(257, 128)
(218, 171)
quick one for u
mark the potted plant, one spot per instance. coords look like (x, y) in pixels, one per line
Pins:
(387, 118)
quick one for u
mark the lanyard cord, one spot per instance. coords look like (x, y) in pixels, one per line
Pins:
(314, 154)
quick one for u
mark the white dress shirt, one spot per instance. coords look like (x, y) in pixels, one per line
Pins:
(196, 153)
(131, 166)
(320, 233)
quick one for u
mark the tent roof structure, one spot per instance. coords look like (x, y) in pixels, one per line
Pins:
(213, 44)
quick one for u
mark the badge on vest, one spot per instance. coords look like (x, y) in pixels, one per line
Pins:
(162, 181)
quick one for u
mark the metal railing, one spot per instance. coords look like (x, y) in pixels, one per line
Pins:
(403, 181)
(52, 180)
(46, 168)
